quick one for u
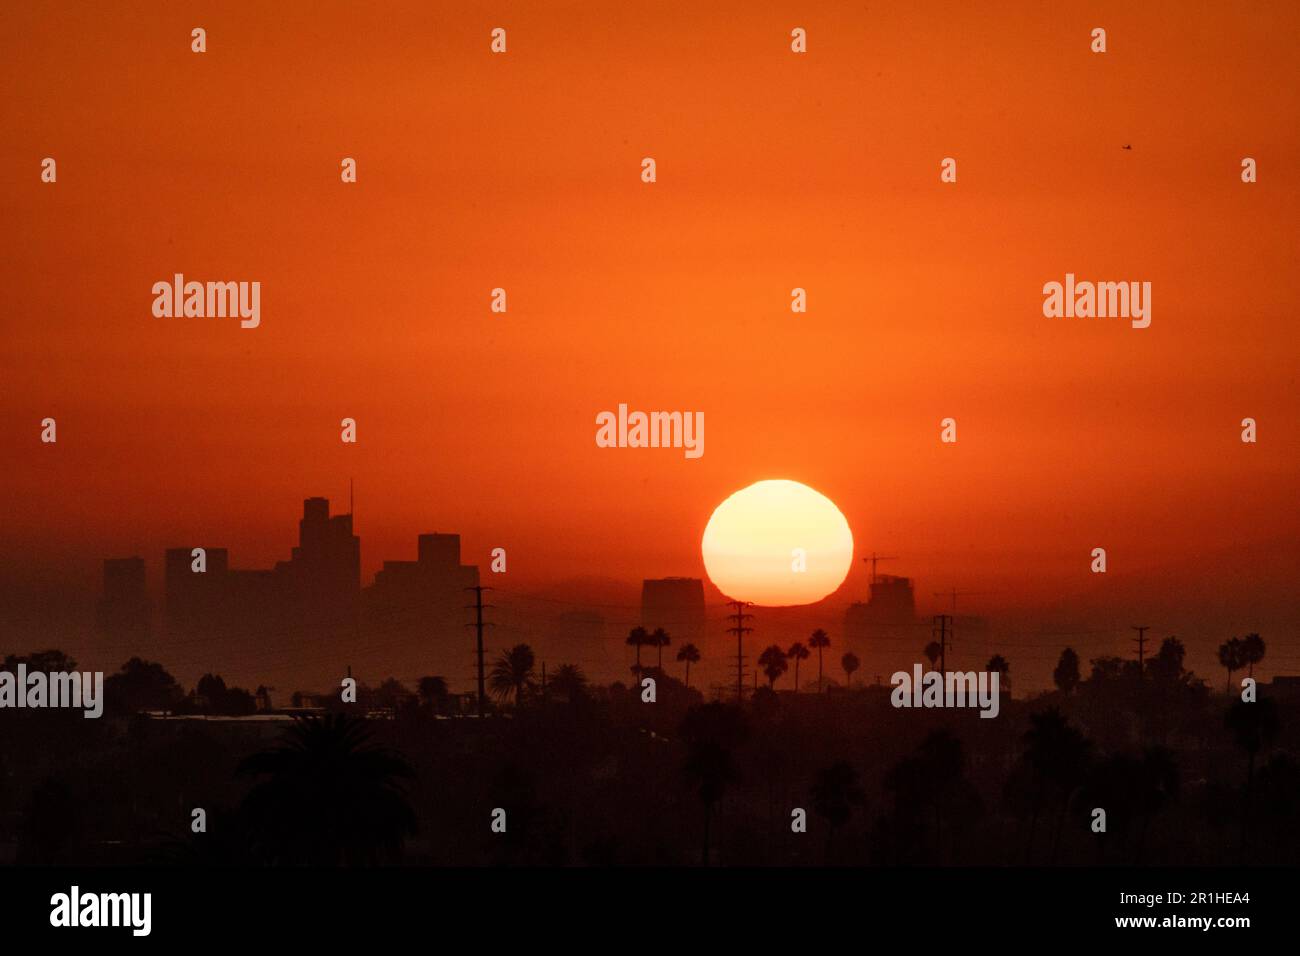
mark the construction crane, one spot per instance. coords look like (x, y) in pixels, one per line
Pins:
(878, 557)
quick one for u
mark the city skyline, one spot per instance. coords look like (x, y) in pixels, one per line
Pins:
(580, 622)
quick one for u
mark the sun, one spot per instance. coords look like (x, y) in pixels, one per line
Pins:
(777, 543)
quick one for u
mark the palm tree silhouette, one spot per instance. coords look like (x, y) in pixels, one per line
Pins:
(330, 796)
(772, 662)
(1232, 657)
(569, 683)
(797, 653)
(1156, 784)
(1253, 724)
(1252, 647)
(691, 655)
(835, 793)
(850, 663)
(1057, 755)
(820, 640)
(638, 637)
(999, 664)
(712, 731)
(512, 674)
(659, 638)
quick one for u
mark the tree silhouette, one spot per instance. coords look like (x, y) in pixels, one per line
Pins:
(1156, 784)
(1252, 647)
(433, 693)
(1066, 675)
(932, 653)
(1232, 657)
(691, 655)
(659, 639)
(712, 732)
(512, 674)
(999, 664)
(1167, 665)
(569, 683)
(1252, 724)
(220, 699)
(1057, 756)
(850, 663)
(930, 793)
(142, 685)
(834, 795)
(329, 796)
(773, 663)
(820, 640)
(638, 637)
(390, 694)
(797, 653)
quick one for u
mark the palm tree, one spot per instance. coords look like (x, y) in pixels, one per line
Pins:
(1252, 646)
(1000, 664)
(1057, 755)
(1156, 784)
(691, 655)
(569, 683)
(638, 637)
(711, 732)
(1232, 657)
(772, 662)
(512, 674)
(835, 793)
(819, 639)
(330, 796)
(850, 663)
(659, 638)
(797, 653)
(1253, 724)
(933, 651)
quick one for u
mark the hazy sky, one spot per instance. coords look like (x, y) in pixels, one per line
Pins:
(775, 170)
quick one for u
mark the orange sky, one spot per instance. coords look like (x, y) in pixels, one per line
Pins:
(774, 171)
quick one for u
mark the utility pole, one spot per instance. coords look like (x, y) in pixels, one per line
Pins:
(954, 594)
(1140, 641)
(478, 626)
(943, 623)
(740, 630)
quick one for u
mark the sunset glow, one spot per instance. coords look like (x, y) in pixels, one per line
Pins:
(777, 543)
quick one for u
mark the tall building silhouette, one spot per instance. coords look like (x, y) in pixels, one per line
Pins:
(323, 576)
(676, 605)
(416, 611)
(125, 612)
(891, 602)
(884, 631)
